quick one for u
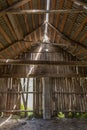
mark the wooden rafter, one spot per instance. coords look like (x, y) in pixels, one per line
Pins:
(5, 35)
(54, 6)
(16, 26)
(80, 28)
(7, 53)
(73, 47)
(80, 3)
(25, 19)
(71, 24)
(69, 5)
(14, 6)
(1, 45)
(23, 41)
(39, 6)
(83, 37)
(52, 15)
(58, 16)
(72, 21)
(10, 27)
(72, 43)
(33, 18)
(40, 26)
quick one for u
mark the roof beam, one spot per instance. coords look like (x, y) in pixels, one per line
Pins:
(83, 37)
(72, 21)
(72, 42)
(79, 28)
(14, 6)
(70, 26)
(39, 6)
(16, 26)
(36, 11)
(26, 20)
(64, 19)
(41, 62)
(33, 18)
(23, 41)
(10, 27)
(24, 75)
(2, 31)
(58, 15)
(79, 2)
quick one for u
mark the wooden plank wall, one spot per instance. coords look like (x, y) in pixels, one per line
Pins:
(9, 97)
(3, 96)
(69, 94)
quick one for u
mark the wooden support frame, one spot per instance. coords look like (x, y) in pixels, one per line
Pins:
(21, 75)
(71, 42)
(79, 2)
(14, 111)
(14, 6)
(23, 41)
(36, 11)
(41, 62)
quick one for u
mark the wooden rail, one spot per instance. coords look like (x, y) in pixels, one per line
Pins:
(24, 75)
(35, 11)
(41, 62)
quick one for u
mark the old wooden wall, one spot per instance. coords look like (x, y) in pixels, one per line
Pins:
(9, 95)
(67, 95)
(68, 89)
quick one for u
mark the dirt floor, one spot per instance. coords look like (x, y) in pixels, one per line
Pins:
(40, 124)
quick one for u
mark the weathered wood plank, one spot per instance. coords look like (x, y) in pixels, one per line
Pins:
(41, 62)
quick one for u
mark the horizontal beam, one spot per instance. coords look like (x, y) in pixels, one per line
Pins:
(36, 11)
(41, 62)
(65, 111)
(77, 93)
(21, 92)
(14, 111)
(19, 75)
(56, 92)
(41, 42)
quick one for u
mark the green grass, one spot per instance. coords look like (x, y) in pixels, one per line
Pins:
(61, 115)
(77, 115)
(22, 114)
(72, 115)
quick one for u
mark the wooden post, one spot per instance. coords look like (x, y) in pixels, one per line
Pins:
(46, 98)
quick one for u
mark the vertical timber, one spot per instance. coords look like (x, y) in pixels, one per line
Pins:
(46, 98)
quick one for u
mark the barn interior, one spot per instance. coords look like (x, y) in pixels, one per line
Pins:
(43, 62)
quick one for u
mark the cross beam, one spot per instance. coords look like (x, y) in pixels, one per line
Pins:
(36, 11)
(41, 62)
(22, 75)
